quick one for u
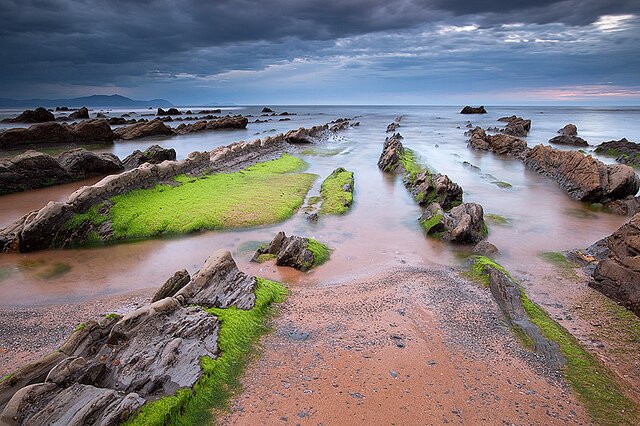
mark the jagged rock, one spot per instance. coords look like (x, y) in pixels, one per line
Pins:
(170, 111)
(391, 128)
(155, 154)
(290, 251)
(485, 248)
(428, 188)
(584, 177)
(625, 151)
(38, 115)
(303, 135)
(462, 224)
(569, 130)
(31, 170)
(266, 110)
(507, 294)
(516, 126)
(172, 285)
(618, 274)
(143, 130)
(107, 370)
(499, 144)
(392, 150)
(82, 164)
(51, 133)
(626, 206)
(101, 115)
(237, 122)
(473, 110)
(568, 140)
(80, 114)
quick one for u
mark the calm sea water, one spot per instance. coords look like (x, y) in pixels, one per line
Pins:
(381, 230)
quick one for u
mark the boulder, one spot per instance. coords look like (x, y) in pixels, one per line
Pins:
(462, 224)
(499, 144)
(155, 154)
(143, 130)
(52, 133)
(625, 206)
(617, 275)
(568, 140)
(516, 126)
(473, 110)
(107, 370)
(31, 170)
(82, 164)
(582, 176)
(266, 110)
(624, 151)
(80, 114)
(392, 150)
(290, 251)
(485, 248)
(569, 130)
(38, 115)
(170, 111)
(428, 188)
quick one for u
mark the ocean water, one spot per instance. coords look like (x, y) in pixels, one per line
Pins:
(380, 231)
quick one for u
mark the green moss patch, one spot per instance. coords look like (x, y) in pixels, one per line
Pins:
(92, 215)
(501, 184)
(264, 193)
(478, 270)
(40, 268)
(566, 268)
(239, 334)
(321, 252)
(428, 224)
(265, 257)
(335, 199)
(496, 219)
(409, 161)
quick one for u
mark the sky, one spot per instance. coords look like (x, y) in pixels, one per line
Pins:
(424, 52)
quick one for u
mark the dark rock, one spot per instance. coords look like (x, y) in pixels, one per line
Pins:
(428, 188)
(155, 154)
(62, 108)
(499, 144)
(618, 274)
(289, 251)
(582, 176)
(82, 164)
(52, 133)
(391, 128)
(38, 115)
(569, 130)
(516, 126)
(625, 206)
(143, 130)
(31, 170)
(462, 224)
(101, 115)
(485, 248)
(224, 123)
(623, 150)
(568, 140)
(172, 285)
(392, 150)
(210, 111)
(170, 111)
(473, 110)
(81, 114)
(266, 110)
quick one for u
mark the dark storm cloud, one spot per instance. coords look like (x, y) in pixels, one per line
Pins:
(133, 43)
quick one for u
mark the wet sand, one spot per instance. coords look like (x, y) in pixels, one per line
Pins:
(409, 346)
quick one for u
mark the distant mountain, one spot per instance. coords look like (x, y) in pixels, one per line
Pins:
(88, 101)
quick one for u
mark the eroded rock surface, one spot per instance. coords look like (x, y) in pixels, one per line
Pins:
(290, 251)
(624, 151)
(568, 140)
(392, 150)
(617, 274)
(155, 154)
(95, 131)
(516, 126)
(38, 115)
(569, 130)
(143, 130)
(427, 188)
(584, 177)
(499, 143)
(106, 370)
(462, 224)
(228, 123)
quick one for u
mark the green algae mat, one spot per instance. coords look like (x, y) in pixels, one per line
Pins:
(267, 192)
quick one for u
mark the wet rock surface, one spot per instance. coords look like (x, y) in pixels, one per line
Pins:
(155, 154)
(463, 224)
(80, 114)
(617, 274)
(623, 150)
(427, 188)
(229, 123)
(516, 126)
(82, 164)
(95, 131)
(106, 370)
(499, 143)
(569, 140)
(473, 110)
(392, 149)
(38, 115)
(582, 176)
(143, 130)
(569, 130)
(290, 251)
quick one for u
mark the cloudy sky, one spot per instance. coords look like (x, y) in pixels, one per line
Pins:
(324, 52)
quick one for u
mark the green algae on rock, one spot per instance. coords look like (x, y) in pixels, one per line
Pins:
(337, 192)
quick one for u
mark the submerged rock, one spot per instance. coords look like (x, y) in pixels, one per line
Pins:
(473, 110)
(143, 130)
(462, 224)
(617, 274)
(294, 251)
(95, 131)
(155, 154)
(584, 177)
(38, 115)
(624, 151)
(106, 370)
(499, 144)
(568, 140)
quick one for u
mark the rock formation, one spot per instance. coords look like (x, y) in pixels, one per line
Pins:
(52, 133)
(569, 130)
(499, 144)
(80, 114)
(143, 130)
(392, 150)
(428, 188)
(107, 370)
(584, 177)
(38, 115)
(473, 110)
(462, 224)
(623, 150)
(170, 111)
(155, 154)
(617, 274)
(266, 110)
(293, 251)
(516, 126)
(568, 140)
(224, 123)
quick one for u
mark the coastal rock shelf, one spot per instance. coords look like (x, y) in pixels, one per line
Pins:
(115, 366)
